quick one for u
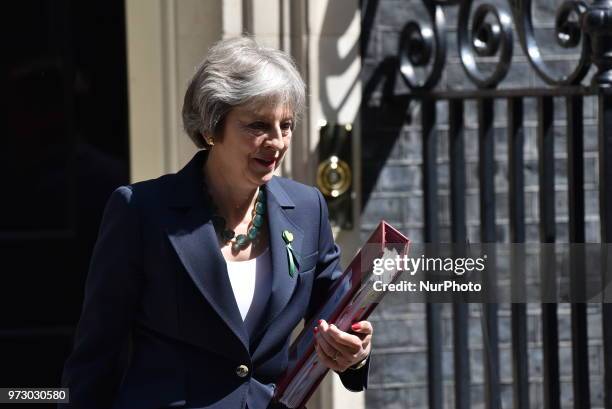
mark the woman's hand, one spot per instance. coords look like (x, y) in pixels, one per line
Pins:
(339, 350)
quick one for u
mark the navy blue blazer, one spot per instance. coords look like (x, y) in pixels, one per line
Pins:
(160, 323)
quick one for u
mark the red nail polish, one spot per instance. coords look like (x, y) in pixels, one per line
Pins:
(315, 329)
(355, 326)
(320, 321)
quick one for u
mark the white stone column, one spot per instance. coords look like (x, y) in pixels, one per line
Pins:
(166, 39)
(334, 89)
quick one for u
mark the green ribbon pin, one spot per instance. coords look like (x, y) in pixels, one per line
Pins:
(292, 258)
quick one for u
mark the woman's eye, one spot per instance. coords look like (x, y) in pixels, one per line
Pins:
(258, 126)
(287, 126)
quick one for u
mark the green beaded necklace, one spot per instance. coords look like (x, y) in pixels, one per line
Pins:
(242, 240)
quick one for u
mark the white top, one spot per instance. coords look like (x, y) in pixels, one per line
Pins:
(243, 276)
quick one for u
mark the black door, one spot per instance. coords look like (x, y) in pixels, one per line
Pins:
(63, 149)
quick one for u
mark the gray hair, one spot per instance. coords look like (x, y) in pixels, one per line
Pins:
(236, 72)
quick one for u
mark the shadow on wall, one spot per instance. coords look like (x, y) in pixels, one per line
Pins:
(337, 22)
(382, 117)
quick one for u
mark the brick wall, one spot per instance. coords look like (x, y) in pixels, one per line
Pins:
(392, 180)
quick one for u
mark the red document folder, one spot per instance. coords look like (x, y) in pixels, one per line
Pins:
(351, 299)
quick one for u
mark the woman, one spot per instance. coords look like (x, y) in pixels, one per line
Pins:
(207, 271)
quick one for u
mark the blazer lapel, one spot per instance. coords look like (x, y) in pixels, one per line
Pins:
(283, 285)
(195, 242)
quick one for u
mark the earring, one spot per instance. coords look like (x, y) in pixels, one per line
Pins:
(209, 141)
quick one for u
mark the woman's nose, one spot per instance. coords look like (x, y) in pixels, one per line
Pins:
(275, 138)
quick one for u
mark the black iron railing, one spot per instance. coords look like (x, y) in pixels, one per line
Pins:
(488, 31)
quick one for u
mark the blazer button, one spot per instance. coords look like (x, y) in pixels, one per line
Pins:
(242, 371)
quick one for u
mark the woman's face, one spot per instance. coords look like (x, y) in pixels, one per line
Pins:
(254, 142)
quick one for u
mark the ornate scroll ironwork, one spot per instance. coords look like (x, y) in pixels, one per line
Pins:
(488, 32)
(417, 43)
(486, 40)
(568, 33)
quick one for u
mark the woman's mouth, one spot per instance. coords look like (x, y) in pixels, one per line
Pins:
(267, 163)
